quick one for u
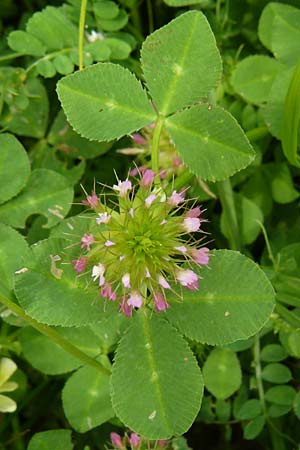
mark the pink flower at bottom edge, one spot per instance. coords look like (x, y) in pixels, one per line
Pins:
(160, 302)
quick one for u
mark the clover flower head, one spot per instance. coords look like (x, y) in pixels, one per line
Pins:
(135, 253)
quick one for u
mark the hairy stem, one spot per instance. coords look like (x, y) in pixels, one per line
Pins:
(54, 336)
(229, 211)
(81, 32)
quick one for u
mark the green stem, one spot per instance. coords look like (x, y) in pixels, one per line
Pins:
(269, 249)
(48, 57)
(260, 387)
(10, 56)
(81, 32)
(150, 16)
(228, 205)
(136, 20)
(257, 133)
(182, 180)
(155, 145)
(54, 336)
(18, 441)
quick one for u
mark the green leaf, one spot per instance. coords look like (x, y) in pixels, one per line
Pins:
(253, 77)
(115, 24)
(118, 48)
(279, 31)
(278, 410)
(14, 167)
(63, 64)
(53, 29)
(273, 111)
(210, 142)
(13, 249)
(99, 50)
(65, 301)
(223, 410)
(296, 405)
(257, 189)
(112, 102)
(106, 9)
(178, 3)
(281, 182)
(249, 410)
(254, 427)
(88, 407)
(46, 68)
(249, 215)
(50, 440)
(46, 192)
(234, 300)
(187, 71)
(47, 357)
(45, 157)
(291, 118)
(276, 373)
(23, 42)
(280, 395)
(222, 373)
(32, 119)
(273, 353)
(69, 142)
(291, 343)
(145, 376)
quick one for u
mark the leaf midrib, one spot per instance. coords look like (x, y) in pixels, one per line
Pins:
(172, 86)
(171, 124)
(154, 369)
(124, 108)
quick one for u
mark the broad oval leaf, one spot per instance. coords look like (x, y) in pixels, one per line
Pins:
(26, 43)
(281, 395)
(273, 353)
(47, 193)
(210, 142)
(249, 216)
(86, 398)
(249, 410)
(279, 31)
(273, 111)
(253, 77)
(14, 167)
(234, 300)
(54, 297)
(222, 373)
(181, 62)
(276, 373)
(50, 440)
(47, 357)
(13, 249)
(166, 391)
(104, 102)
